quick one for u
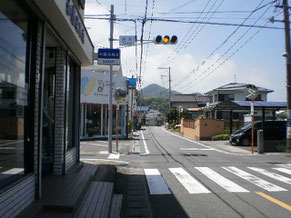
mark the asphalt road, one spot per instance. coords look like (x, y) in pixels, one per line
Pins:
(187, 179)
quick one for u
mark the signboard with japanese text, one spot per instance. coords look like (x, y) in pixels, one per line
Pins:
(132, 82)
(95, 87)
(127, 40)
(107, 56)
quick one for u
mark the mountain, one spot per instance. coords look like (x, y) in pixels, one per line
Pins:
(155, 90)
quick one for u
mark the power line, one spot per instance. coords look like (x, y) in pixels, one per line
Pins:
(102, 5)
(188, 42)
(231, 55)
(182, 41)
(222, 44)
(150, 31)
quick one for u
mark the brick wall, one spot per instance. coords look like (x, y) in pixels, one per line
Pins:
(60, 100)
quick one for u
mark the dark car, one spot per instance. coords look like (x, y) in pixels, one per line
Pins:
(273, 130)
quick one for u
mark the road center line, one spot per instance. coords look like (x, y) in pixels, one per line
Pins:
(280, 203)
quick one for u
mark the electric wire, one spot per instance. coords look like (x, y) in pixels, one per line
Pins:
(188, 42)
(179, 83)
(150, 32)
(225, 60)
(185, 36)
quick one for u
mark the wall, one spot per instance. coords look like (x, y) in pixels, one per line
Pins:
(202, 129)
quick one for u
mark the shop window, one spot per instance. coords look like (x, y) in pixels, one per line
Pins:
(13, 90)
(93, 120)
(71, 94)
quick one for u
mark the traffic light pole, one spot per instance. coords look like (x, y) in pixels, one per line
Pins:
(288, 71)
(110, 84)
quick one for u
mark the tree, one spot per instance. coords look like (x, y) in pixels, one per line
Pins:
(172, 115)
(186, 114)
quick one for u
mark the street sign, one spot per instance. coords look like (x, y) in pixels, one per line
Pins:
(131, 82)
(127, 40)
(107, 56)
(251, 91)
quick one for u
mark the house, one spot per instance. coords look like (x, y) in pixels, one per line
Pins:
(229, 102)
(188, 100)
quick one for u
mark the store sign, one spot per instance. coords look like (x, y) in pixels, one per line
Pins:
(75, 20)
(95, 87)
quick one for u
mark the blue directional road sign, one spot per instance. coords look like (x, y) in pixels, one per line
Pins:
(107, 56)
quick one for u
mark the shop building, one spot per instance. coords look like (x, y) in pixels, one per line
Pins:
(94, 102)
(43, 45)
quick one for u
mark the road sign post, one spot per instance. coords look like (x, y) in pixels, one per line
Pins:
(251, 92)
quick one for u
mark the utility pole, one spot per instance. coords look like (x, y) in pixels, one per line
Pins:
(111, 83)
(168, 68)
(288, 71)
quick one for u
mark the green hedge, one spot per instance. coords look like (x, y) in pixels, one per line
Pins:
(221, 137)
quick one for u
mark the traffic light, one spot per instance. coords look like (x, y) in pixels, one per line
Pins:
(166, 40)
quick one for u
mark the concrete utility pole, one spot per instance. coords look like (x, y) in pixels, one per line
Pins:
(111, 83)
(168, 68)
(288, 71)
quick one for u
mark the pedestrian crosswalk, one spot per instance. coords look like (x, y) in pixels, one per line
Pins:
(249, 177)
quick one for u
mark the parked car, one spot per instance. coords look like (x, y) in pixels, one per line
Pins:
(273, 130)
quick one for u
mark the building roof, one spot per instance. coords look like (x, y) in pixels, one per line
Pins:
(245, 104)
(189, 98)
(236, 87)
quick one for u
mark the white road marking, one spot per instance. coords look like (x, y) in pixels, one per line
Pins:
(191, 184)
(196, 142)
(114, 156)
(220, 180)
(145, 145)
(255, 180)
(11, 172)
(272, 175)
(196, 149)
(283, 170)
(156, 182)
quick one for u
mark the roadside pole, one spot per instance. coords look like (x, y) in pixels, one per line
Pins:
(253, 122)
(111, 85)
(288, 71)
(116, 131)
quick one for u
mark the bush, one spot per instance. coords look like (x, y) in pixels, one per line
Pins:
(282, 147)
(221, 137)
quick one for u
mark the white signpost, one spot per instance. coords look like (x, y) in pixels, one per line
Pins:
(127, 40)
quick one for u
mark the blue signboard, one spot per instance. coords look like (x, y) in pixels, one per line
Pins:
(107, 56)
(132, 82)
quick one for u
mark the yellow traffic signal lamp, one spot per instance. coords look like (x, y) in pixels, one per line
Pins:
(166, 40)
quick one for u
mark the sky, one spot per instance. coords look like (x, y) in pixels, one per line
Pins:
(207, 55)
